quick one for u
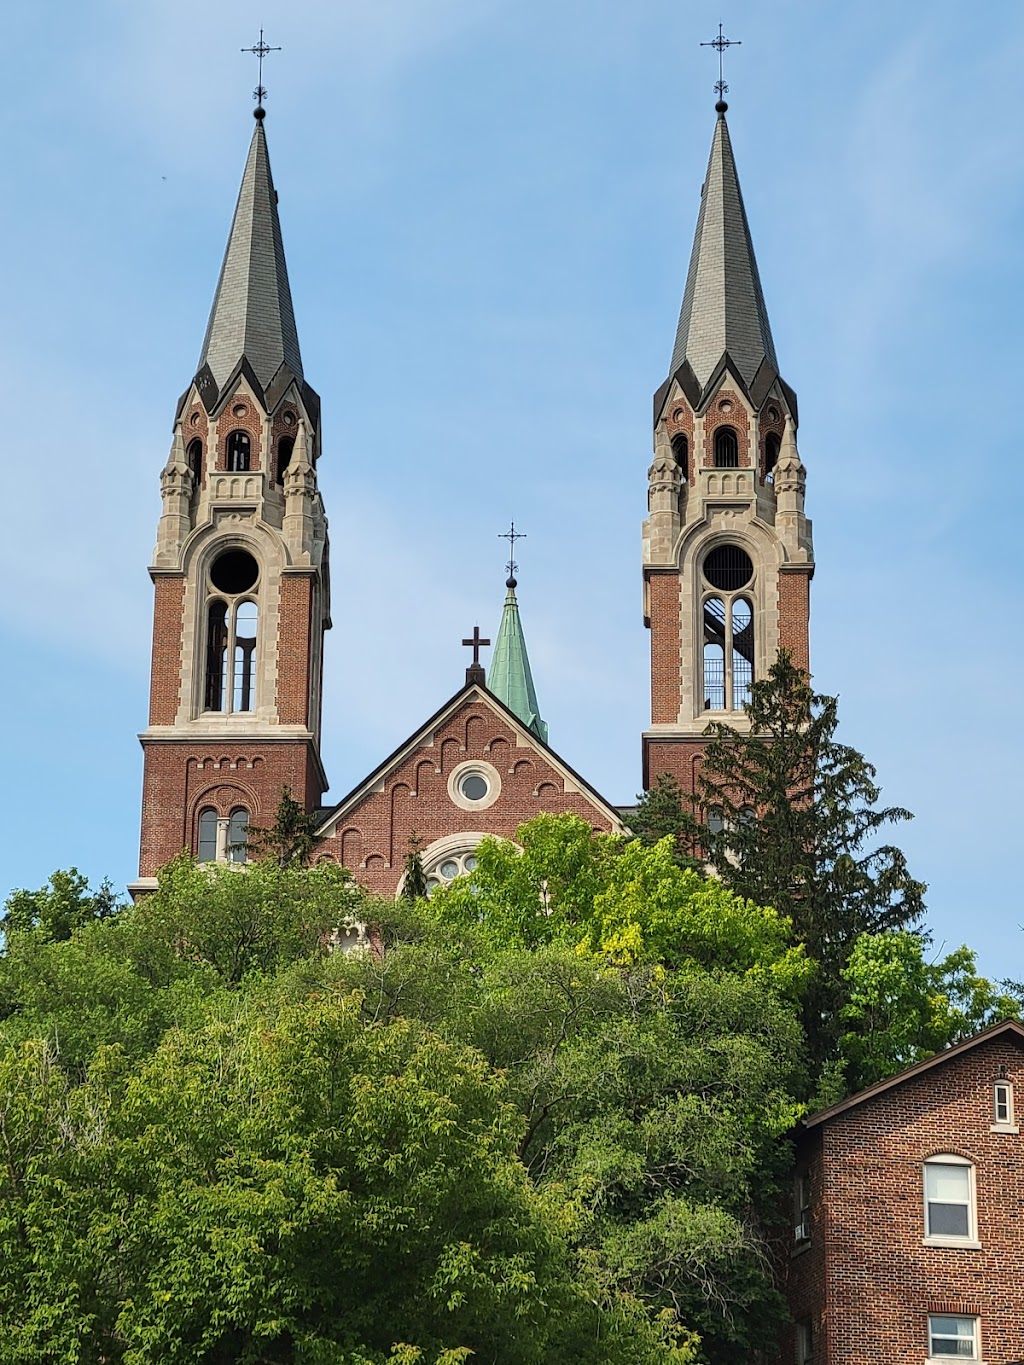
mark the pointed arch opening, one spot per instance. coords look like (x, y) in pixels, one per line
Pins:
(232, 633)
(727, 449)
(239, 452)
(772, 449)
(194, 456)
(727, 624)
(285, 446)
(681, 450)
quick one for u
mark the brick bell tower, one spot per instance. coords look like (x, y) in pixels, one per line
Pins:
(727, 554)
(240, 568)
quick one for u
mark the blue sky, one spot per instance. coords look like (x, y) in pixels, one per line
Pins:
(487, 210)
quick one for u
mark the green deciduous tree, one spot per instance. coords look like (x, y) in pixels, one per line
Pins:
(901, 1007)
(60, 907)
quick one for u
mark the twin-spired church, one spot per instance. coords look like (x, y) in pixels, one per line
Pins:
(241, 572)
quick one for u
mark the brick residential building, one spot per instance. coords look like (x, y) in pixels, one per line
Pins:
(242, 578)
(908, 1214)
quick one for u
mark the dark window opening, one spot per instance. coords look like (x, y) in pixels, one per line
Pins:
(681, 450)
(772, 446)
(207, 835)
(239, 447)
(727, 450)
(217, 657)
(234, 571)
(728, 568)
(285, 446)
(194, 455)
(238, 836)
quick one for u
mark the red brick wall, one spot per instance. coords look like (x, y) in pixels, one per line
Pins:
(795, 613)
(415, 798)
(663, 603)
(249, 421)
(165, 678)
(180, 777)
(880, 1280)
(294, 649)
(736, 417)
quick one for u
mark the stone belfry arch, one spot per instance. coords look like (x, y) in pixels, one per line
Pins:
(240, 568)
(727, 552)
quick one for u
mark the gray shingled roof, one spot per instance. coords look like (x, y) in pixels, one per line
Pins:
(723, 306)
(252, 314)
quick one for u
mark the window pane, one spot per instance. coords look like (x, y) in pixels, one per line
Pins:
(948, 1220)
(238, 836)
(956, 1337)
(244, 697)
(947, 1184)
(207, 836)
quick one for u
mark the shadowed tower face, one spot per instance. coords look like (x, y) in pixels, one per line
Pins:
(727, 554)
(240, 566)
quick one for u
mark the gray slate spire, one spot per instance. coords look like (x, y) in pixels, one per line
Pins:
(252, 313)
(723, 307)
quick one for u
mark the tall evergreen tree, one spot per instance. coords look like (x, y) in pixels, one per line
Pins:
(414, 887)
(291, 839)
(791, 817)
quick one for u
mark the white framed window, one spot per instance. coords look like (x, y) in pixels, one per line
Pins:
(949, 1201)
(952, 1337)
(1003, 1117)
(805, 1342)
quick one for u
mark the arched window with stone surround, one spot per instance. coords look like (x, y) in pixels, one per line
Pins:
(238, 836)
(727, 449)
(239, 452)
(207, 835)
(727, 626)
(232, 633)
(681, 450)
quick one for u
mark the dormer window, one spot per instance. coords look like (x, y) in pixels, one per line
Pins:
(239, 448)
(727, 449)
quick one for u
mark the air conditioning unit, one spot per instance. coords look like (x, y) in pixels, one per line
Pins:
(802, 1231)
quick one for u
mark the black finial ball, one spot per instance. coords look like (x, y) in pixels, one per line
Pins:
(510, 583)
(721, 107)
(259, 113)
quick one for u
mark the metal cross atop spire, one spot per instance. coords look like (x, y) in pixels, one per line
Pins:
(512, 535)
(260, 50)
(720, 44)
(475, 672)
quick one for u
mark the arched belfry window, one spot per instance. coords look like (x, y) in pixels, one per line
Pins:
(727, 449)
(232, 633)
(681, 450)
(727, 617)
(194, 455)
(239, 452)
(772, 447)
(285, 446)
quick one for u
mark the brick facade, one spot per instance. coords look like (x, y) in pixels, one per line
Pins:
(869, 1277)
(369, 832)
(795, 613)
(165, 675)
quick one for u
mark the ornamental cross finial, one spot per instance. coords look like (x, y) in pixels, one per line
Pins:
(475, 672)
(720, 44)
(259, 51)
(512, 535)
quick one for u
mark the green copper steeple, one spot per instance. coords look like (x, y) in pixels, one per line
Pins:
(509, 676)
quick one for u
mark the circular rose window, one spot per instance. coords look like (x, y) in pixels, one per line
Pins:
(474, 785)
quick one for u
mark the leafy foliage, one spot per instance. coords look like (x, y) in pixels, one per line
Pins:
(292, 839)
(65, 904)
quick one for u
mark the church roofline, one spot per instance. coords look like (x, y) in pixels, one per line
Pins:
(466, 693)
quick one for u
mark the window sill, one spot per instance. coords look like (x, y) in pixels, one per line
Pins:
(799, 1248)
(963, 1243)
(1004, 1128)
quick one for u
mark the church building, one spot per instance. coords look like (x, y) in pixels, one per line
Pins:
(241, 572)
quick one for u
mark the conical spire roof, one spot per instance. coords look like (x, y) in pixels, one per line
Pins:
(252, 316)
(723, 306)
(509, 676)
